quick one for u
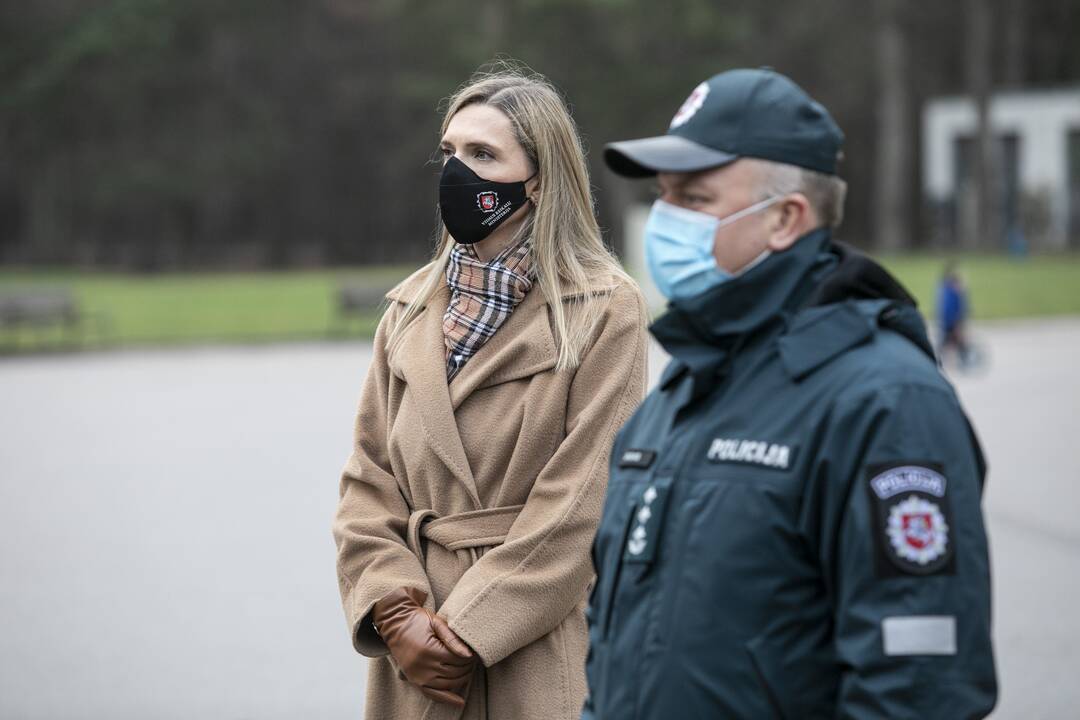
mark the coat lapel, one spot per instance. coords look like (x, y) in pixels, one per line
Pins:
(523, 346)
(421, 361)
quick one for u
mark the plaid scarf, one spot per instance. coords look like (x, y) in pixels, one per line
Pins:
(482, 296)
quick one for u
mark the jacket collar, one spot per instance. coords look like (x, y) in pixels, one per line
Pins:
(700, 332)
(818, 334)
(822, 298)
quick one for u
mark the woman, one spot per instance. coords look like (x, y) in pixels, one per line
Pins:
(501, 373)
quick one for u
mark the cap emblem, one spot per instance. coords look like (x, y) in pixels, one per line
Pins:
(690, 106)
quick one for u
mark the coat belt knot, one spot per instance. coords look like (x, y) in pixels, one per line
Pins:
(473, 529)
(462, 536)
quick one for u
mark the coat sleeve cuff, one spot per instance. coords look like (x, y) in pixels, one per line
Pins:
(486, 651)
(366, 641)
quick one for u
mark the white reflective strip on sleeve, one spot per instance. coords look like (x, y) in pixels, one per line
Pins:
(919, 635)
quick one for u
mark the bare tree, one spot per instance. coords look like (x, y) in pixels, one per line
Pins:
(892, 181)
(1015, 51)
(984, 228)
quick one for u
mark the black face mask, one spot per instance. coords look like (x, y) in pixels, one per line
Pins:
(473, 207)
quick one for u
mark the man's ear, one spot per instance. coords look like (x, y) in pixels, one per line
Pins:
(790, 219)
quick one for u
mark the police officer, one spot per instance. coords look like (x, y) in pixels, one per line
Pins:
(792, 526)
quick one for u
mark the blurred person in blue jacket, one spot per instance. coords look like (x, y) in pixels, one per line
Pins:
(953, 310)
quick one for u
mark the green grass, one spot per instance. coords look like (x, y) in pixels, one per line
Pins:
(999, 287)
(204, 308)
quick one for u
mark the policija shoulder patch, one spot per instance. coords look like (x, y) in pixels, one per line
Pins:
(912, 519)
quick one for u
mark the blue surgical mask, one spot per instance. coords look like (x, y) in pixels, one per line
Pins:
(679, 248)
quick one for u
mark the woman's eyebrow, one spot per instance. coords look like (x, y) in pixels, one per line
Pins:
(472, 145)
(469, 144)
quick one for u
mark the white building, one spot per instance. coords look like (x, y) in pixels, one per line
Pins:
(1039, 131)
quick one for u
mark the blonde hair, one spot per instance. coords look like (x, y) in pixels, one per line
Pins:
(569, 255)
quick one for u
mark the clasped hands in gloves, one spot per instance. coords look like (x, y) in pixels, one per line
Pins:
(428, 652)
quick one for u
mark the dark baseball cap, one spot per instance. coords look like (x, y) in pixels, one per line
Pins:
(738, 113)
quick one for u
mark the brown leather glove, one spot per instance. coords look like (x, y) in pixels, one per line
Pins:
(427, 651)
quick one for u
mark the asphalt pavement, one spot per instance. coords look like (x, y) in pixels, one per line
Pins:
(166, 547)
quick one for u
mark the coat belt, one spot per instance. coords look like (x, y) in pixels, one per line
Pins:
(473, 529)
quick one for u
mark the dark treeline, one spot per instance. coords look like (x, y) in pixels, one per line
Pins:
(159, 134)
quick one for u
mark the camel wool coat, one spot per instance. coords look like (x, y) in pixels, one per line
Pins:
(486, 494)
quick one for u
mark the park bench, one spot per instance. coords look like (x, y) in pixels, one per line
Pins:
(354, 301)
(39, 309)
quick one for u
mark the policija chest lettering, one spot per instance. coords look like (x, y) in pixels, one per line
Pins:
(751, 452)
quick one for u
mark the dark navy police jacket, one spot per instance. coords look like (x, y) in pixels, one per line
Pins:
(792, 526)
